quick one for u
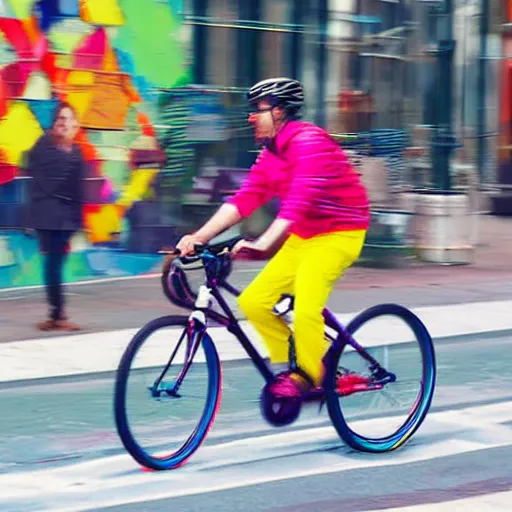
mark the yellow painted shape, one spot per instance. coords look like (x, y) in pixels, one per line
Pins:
(21, 8)
(101, 224)
(81, 78)
(19, 131)
(139, 184)
(101, 12)
(79, 89)
(110, 60)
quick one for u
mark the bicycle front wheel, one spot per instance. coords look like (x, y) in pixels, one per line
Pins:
(378, 398)
(167, 392)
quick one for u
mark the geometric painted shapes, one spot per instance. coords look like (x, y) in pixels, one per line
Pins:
(102, 220)
(5, 9)
(78, 88)
(14, 32)
(110, 102)
(145, 124)
(67, 33)
(144, 143)
(43, 111)
(7, 172)
(51, 11)
(7, 257)
(7, 53)
(14, 77)
(137, 187)
(19, 130)
(110, 61)
(3, 98)
(38, 87)
(32, 29)
(118, 172)
(113, 154)
(89, 54)
(21, 8)
(152, 39)
(102, 12)
(69, 7)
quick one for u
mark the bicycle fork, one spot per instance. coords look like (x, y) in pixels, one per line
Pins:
(194, 333)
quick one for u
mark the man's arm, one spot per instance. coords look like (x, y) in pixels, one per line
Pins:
(225, 217)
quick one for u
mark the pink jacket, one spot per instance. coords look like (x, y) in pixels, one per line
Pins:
(320, 191)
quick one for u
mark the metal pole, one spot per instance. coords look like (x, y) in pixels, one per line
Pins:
(297, 40)
(248, 51)
(482, 89)
(199, 60)
(444, 141)
(322, 60)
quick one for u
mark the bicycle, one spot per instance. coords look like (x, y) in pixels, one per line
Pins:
(340, 382)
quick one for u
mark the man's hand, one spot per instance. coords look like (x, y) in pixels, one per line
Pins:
(248, 250)
(187, 243)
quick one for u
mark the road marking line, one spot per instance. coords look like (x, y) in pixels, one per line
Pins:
(116, 481)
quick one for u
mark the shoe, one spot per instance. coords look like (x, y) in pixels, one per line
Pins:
(289, 385)
(347, 384)
(47, 325)
(65, 325)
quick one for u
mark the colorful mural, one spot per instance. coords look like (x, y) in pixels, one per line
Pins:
(105, 57)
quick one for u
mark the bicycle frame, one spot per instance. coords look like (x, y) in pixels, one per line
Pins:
(229, 321)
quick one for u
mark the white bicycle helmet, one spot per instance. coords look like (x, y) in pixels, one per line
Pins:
(285, 92)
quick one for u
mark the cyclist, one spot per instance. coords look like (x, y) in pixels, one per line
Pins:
(320, 228)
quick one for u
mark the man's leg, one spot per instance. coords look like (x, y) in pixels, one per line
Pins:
(323, 260)
(61, 247)
(46, 248)
(261, 295)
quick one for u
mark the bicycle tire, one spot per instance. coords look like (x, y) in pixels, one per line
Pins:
(421, 407)
(212, 403)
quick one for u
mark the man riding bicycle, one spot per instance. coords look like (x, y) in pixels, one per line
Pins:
(320, 228)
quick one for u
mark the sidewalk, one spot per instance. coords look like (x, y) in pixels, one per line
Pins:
(112, 310)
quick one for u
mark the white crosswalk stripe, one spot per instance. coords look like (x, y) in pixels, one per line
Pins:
(223, 465)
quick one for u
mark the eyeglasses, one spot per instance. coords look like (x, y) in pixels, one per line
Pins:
(256, 110)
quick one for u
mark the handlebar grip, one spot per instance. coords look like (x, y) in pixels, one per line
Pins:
(170, 252)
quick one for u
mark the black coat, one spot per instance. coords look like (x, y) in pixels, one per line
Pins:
(56, 191)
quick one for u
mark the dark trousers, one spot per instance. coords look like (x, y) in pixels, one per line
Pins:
(54, 246)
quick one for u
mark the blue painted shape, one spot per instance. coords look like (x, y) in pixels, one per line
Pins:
(43, 110)
(69, 8)
(127, 65)
(115, 262)
(50, 12)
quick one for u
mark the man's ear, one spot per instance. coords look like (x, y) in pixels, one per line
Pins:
(280, 113)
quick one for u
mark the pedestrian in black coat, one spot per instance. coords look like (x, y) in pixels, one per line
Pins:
(57, 167)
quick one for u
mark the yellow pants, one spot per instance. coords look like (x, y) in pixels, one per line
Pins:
(307, 269)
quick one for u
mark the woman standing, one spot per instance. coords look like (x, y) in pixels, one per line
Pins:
(57, 167)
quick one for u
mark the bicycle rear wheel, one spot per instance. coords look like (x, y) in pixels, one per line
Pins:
(167, 392)
(377, 410)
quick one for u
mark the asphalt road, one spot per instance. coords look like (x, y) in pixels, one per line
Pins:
(59, 449)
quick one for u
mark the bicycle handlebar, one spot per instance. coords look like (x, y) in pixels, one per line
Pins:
(200, 249)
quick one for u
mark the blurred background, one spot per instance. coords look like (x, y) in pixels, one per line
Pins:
(417, 92)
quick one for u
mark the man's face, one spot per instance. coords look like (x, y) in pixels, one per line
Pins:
(266, 120)
(66, 125)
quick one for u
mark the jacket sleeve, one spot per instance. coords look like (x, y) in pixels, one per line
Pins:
(257, 189)
(80, 179)
(37, 169)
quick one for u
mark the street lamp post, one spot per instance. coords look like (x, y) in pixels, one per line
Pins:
(444, 140)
